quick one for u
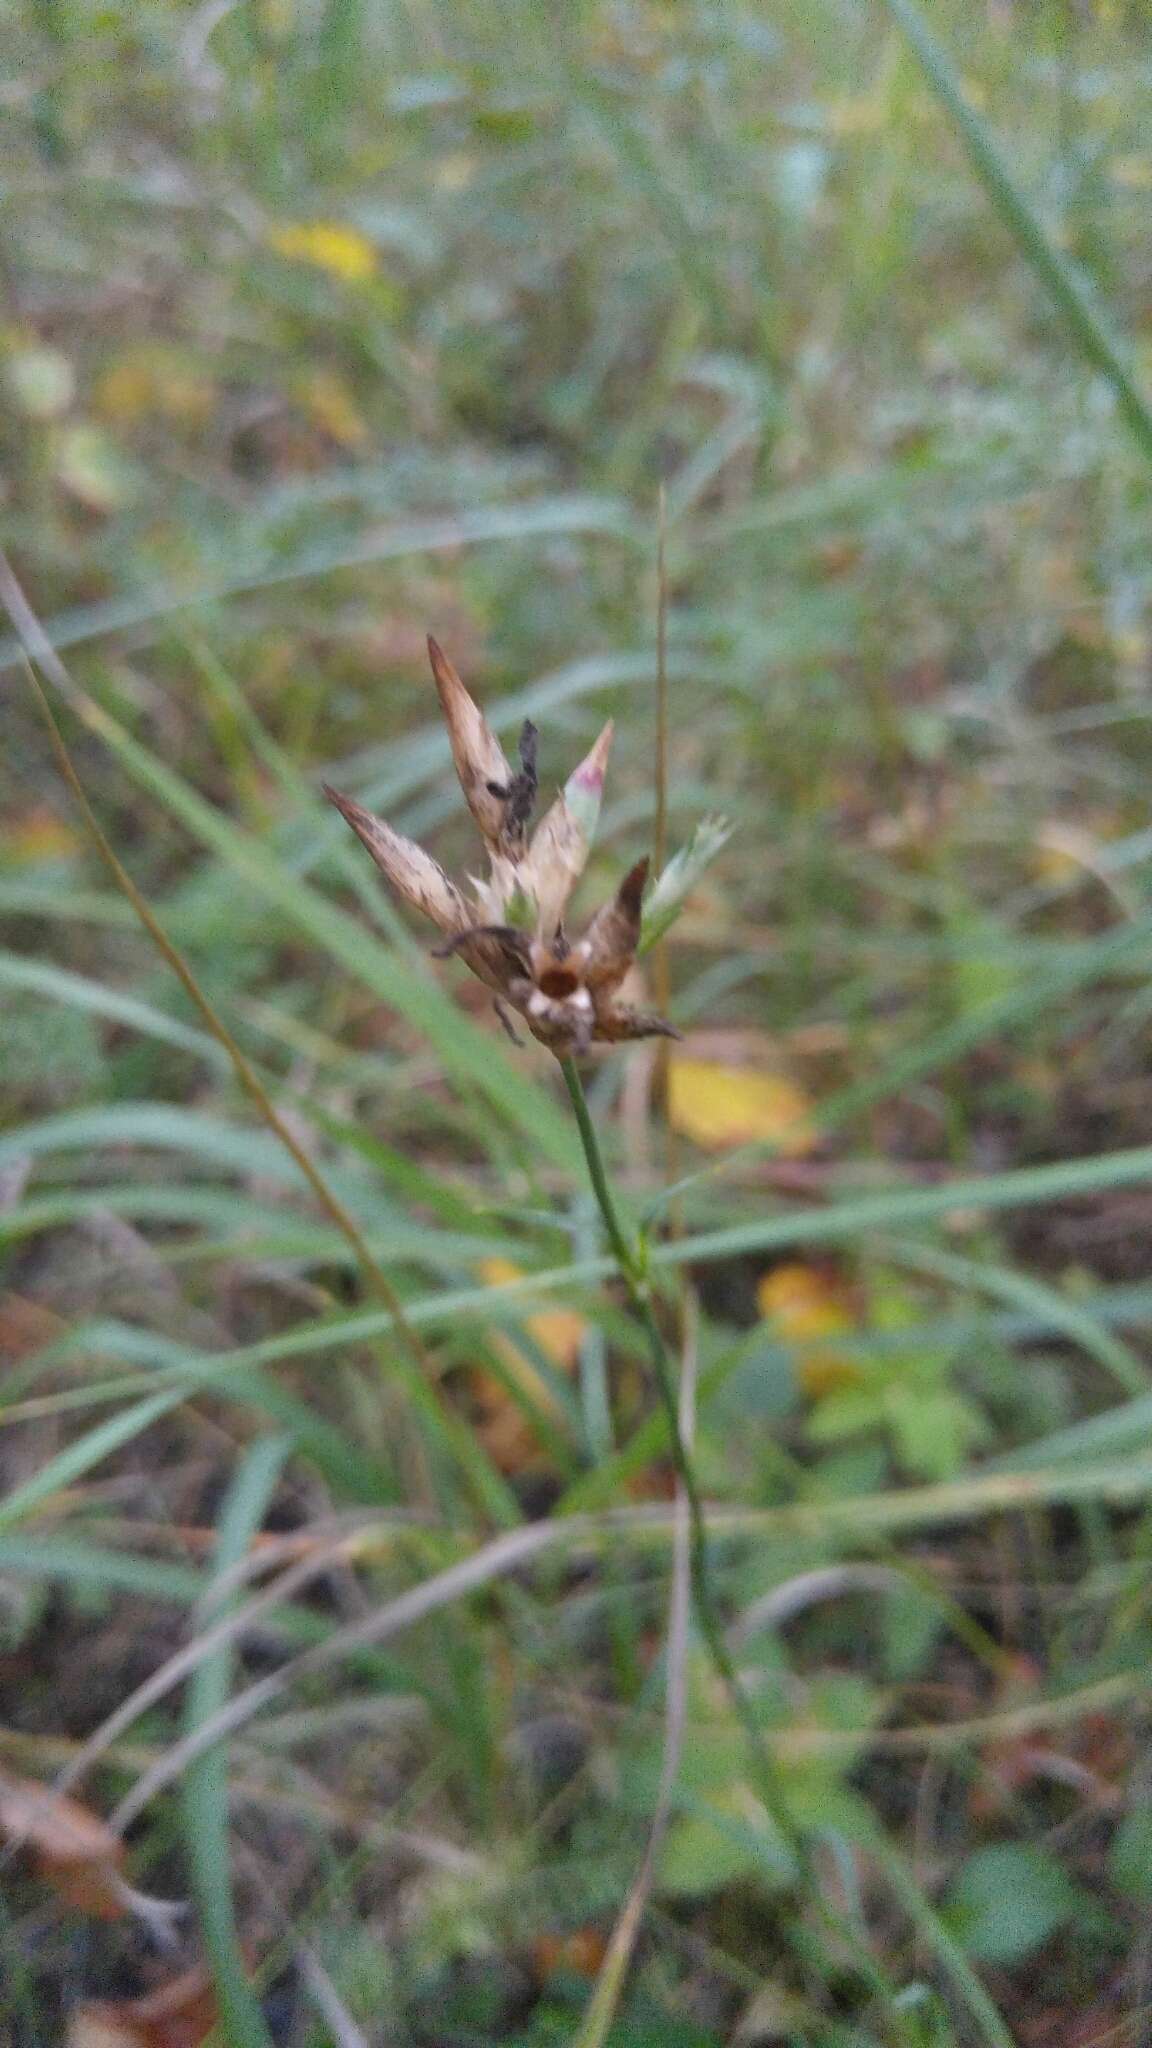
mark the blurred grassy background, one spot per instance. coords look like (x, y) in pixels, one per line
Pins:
(328, 324)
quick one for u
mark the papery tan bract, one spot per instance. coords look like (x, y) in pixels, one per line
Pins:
(413, 873)
(481, 766)
(562, 841)
(516, 944)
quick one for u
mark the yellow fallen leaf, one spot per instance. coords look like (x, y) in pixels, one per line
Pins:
(153, 380)
(327, 398)
(719, 1106)
(342, 251)
(803, 1301)
(559, 1332)
(806, 1305)
(40, 834)
(1063, 853)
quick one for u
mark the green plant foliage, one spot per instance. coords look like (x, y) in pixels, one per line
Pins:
(338, 1536)
(1007, 1900)
(1131, 1854)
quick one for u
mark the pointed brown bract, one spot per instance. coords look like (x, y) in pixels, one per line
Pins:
(609, 945)
(414, 874)
(498, 956)
(485, 776)
(618, 1022)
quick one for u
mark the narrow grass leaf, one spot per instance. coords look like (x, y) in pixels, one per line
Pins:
(469, 1054)
(902, 1880)
(86, 1564)
(205, 1789)
(80, 992)
(1073, 1319)
(1023, 1187)
(1076, 304)
(538, 519)
(77, 1458)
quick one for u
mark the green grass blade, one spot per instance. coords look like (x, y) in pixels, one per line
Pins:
(76, 1459)
(163, 1125)
(1070, 294)
(81, 993)
(345, 1463)
(933, 1932)
(470, 1055)
(1021, 1188)
(86, 1564)
(1071, 1319)
(1117, 1430)
(603, 518)
(205, 1788)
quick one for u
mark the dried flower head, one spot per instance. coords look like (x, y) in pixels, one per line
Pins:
(515, 938)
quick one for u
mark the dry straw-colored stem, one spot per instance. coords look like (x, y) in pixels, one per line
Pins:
(39, 649)
(661, 963)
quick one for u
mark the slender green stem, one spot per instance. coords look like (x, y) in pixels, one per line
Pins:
(629, 1256)
(626, 1255)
